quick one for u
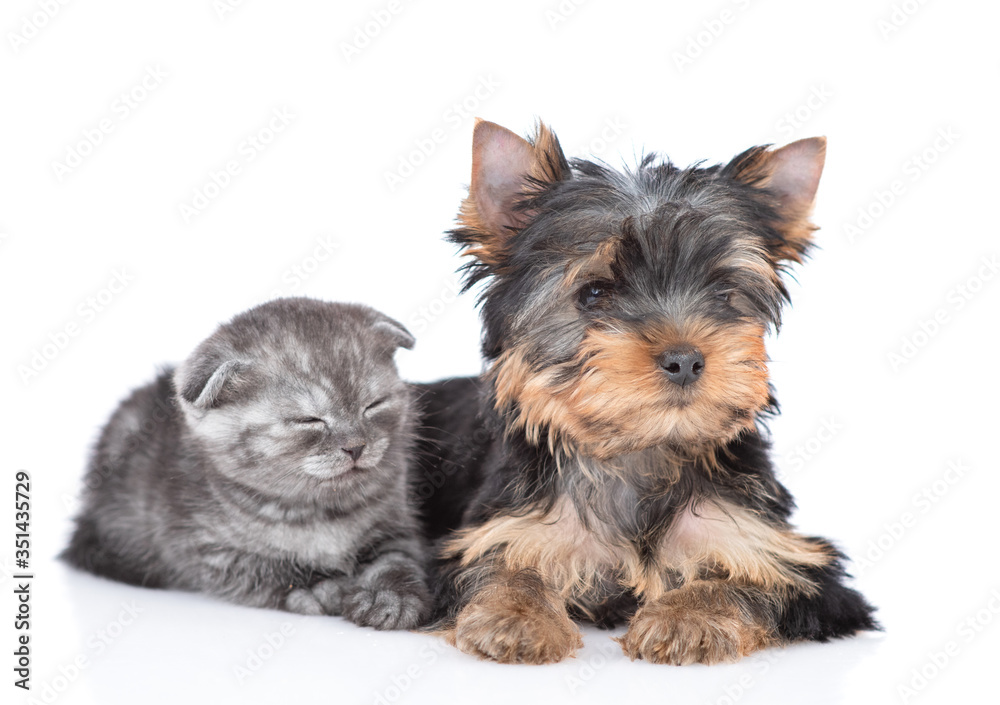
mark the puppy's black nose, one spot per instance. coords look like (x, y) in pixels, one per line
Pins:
(355, 451)
(683, 365)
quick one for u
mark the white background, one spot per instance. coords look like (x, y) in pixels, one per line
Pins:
(865, 440)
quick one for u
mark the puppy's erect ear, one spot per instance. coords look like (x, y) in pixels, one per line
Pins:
(791, 175)
(506, 169)
(204, 384)
(393, 333)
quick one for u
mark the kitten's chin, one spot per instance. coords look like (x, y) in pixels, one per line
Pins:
(333, 475)
(323, 470)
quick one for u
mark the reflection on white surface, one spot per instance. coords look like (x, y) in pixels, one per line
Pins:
(103, 642)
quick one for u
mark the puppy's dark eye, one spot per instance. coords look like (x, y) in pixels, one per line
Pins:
(724, 295)
(593, 292)
(306, 420)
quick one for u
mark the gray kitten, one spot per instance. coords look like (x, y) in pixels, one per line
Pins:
(270, 470)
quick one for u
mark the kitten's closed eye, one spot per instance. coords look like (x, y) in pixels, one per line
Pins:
(306, 420)
(374, 406)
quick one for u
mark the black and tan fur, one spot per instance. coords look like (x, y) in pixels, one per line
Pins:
(593, 483)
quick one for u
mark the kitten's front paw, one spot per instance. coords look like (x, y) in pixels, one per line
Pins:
(396, 599)
(303, 601)
(330, 593)
(322, 598)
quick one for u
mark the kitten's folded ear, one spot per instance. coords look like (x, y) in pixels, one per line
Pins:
(205, 382)
(393, 332)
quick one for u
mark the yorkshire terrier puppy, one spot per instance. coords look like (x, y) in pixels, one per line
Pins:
(610, 462)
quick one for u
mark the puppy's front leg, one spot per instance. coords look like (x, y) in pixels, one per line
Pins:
(746, 582)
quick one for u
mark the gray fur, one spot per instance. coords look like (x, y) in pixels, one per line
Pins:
(230, 475)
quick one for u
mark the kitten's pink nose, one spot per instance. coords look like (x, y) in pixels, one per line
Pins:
(355, 451)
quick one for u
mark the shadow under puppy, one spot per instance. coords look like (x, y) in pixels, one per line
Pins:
(610, 462)
(270, 470)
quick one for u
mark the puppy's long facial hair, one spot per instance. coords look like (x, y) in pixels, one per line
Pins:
(628, 310)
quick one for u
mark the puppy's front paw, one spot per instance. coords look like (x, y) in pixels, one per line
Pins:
(396, 599)
(509, 625)
(681, 633)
